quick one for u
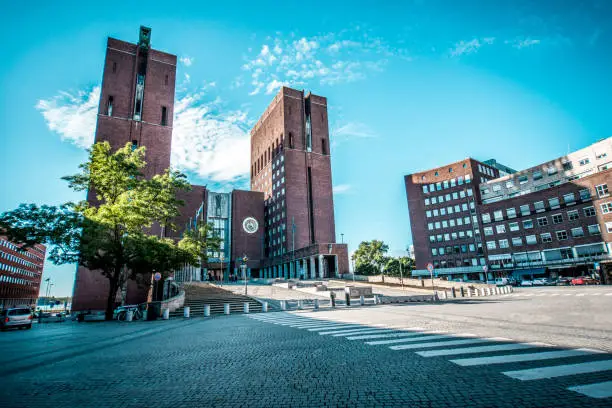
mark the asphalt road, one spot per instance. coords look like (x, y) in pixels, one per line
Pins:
(532, 349)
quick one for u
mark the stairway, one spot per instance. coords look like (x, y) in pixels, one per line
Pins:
(199, 294)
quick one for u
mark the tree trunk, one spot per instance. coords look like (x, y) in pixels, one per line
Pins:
(110, 301)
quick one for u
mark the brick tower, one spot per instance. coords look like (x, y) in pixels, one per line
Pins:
(291, 165)
(136, 106)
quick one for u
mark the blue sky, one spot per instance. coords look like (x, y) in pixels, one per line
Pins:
(410, 86)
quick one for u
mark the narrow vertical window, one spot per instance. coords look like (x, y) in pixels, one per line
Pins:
(134, 144)
(323, 146)
(290, 140)
(164, 118)
(109, 106)
(114, 67)
(166, 80)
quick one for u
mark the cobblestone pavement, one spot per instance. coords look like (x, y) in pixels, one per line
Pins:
(383, 356)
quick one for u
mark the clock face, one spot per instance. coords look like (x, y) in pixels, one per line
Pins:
(250, 225)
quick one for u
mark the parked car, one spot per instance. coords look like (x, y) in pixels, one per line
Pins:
(539, 282)
(502, 281)
(526, 283)
(584, 280)
(16, 317)
(564, 280)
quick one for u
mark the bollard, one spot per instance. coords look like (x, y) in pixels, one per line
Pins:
(469, 292)
(246, 307)
(361, 300)
(226, 308)
(206, 310)
(299, 304)
(488, 291)
(166, 314)
(264, 307)
(129, 316)
(443, 295)
(453, 292)
(283, 304)
(316, 304)
(144, 315)
(482, 292)
(462, 291)
(348, 299)
(186, 311)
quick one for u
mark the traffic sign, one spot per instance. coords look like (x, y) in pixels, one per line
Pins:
(157, 276)
(430, 267)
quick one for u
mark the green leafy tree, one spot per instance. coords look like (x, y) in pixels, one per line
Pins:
(109, 234)
(392, 266)
(200, 241)
(370, 257)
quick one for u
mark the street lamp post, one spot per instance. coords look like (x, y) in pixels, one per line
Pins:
(430, 268)
(243, 266)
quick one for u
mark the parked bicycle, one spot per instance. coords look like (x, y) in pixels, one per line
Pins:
(121, 312)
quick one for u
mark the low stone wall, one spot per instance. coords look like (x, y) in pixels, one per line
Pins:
(174, 302)
(418, 283)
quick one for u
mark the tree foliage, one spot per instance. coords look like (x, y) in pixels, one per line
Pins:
(110, 233)
(371, 259)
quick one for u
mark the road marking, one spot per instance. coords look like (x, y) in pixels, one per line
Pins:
(597, 390)
(568, 294)
(382, 336)
(555, 294)
(423, 337)
(542, 294)
(474, 350)
(560, 371)
(514, 358)
(348, 332)
(579, 294)
(437, 344)
(345, 326)
(608, 294)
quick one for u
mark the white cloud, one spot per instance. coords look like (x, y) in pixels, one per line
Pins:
(470, 47)
(522, 43)
(341, 188)
(187, 61)
(323, 59)
(208, 139)
(351, 130)
(72, 116)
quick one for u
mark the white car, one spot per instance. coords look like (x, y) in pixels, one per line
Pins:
(526, 283)
(539, 282)
(501, 281)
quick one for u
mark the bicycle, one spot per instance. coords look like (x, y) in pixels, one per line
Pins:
(121, 313)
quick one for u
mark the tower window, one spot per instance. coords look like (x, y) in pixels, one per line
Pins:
(134, 144)
(323, 146)
(290, 140)
(166, 80)
(164, 116)
(109, 106)
(114, 67)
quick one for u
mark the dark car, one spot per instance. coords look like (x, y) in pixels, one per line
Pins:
(16, 317)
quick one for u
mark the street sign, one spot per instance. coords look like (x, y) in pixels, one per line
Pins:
(430, 267)
(250, 225)
(157, 276)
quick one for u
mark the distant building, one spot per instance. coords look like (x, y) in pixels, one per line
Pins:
(554, 219)
(20, 273)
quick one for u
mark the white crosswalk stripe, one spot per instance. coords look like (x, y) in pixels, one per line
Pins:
(427, 343)
(597, 390)
(423, 337)
(350, 332)
(560, 370)
(515, 358)
(386, 335)
(438, 344)
(474, 350)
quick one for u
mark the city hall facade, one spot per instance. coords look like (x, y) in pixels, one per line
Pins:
(290, 201)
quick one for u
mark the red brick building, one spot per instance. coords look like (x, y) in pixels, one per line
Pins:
(551, 220)
(20, 274)
(291, 198)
